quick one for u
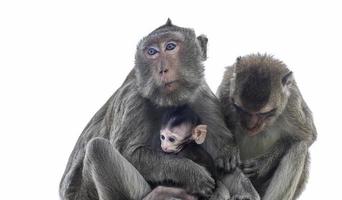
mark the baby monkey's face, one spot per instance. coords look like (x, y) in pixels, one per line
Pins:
(173, 138)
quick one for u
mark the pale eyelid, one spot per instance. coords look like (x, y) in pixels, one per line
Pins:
(148, 47)
(176, 41)
(272, 111)
(171, 42)
(152, 46)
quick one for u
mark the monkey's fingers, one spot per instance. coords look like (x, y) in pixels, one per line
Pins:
(180, 193)
(190, 197)
(248, 164)
(233, 162)
(250, 172)
(211, 184)
(241, 197)
(207, 189)
(227, 167)
(249, 168)
(250, 175)
(230, 164)
(220, 163)
(163, 192)
(206, 193)
(238, 162)
(223, 164)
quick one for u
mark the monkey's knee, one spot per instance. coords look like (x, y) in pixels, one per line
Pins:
(100, 154)
(97, 150)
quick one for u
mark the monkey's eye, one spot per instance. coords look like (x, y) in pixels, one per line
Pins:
(170, 46)
(162, 137)
(269, 113)
(171, 139)
(239, 109)
(151, 51)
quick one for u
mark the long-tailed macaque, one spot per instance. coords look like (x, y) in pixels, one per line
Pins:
(272, 124)
(114, 159)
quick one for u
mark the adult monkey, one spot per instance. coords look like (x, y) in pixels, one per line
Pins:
(168, 72)
(272, 124)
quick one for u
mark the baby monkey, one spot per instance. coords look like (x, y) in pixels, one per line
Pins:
(181, 134)
(181, 127)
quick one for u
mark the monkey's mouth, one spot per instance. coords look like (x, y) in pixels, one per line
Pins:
(171, 151)
(171, 85)
(255, 130)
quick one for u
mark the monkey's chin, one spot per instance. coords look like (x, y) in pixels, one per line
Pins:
(171, 151)
(178, 94)
(170, 87)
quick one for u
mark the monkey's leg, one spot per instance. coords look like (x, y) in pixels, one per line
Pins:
(239, 186)
(221, 192)
(286, 178)
(113, 176)
(303, 178)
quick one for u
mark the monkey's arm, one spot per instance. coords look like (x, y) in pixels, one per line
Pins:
(260, 167)
(219, 142)
(158, 168)
(223, 94)
(286, 177)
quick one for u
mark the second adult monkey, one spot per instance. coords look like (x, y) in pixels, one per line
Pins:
(272, 125)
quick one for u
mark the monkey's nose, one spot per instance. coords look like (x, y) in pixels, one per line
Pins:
(252, 122)
(164, 71)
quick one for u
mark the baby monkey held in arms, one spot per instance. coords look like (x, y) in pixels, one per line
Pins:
(182, 132)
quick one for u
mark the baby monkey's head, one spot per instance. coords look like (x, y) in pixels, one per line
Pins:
(180, 126)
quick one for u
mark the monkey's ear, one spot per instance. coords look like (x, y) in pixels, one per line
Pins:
(168, 22)
(238, 59)
(203, 41)
(287, 79)
(199, 133)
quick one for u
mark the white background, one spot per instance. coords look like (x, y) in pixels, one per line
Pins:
(61, 60)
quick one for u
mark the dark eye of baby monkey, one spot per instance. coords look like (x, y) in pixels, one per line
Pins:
(171, 139)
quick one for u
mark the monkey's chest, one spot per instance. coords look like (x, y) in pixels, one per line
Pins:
(255, 146)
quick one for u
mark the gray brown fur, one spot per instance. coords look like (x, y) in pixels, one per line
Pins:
(113, 158)
(277, 158)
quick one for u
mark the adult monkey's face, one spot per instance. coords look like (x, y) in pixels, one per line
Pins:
(168, 65)
(262, 88)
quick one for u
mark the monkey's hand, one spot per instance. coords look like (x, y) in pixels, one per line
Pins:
(260, 166)
(250, 167)
(228, 159)
(256, 167)
(199, 181)
(168, 193)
